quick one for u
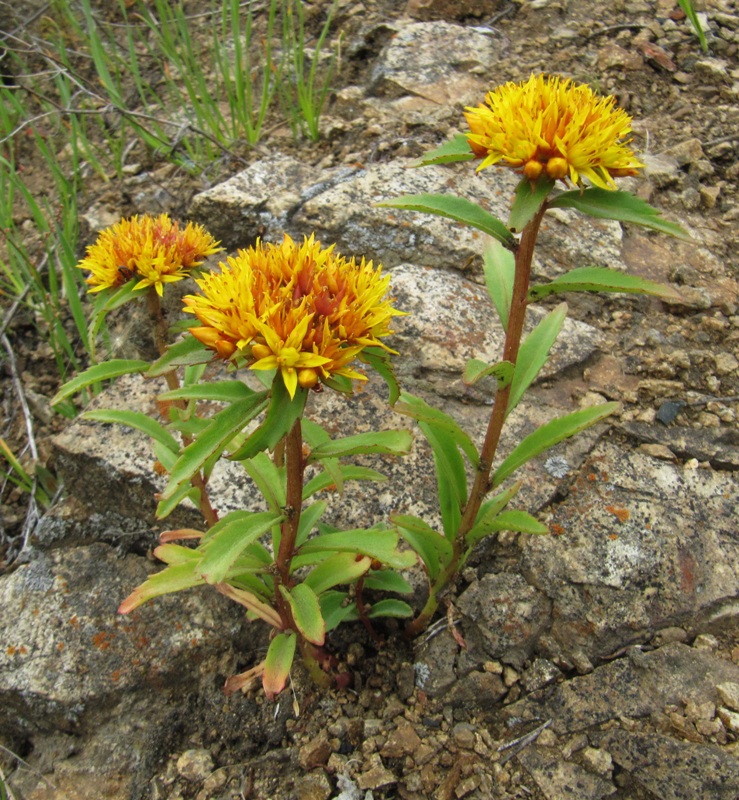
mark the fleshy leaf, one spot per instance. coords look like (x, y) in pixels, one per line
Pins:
(269, 478)
(601, 279)
(377, 544)
(221, 391)
(621, 206)
(281, 415)
(488, 513)
(396, 443)
(309, 516)
(499, 266)
(527, 202)
(180, 354)
(227, 539)
(390, 607)
(333, 608)
(251, 602)
(306, 612)
(534, 352)
(221, 429)
(137, 420)
(519, 522)
(379, 360)
(332, 473)
(170, 579)
(326, 480)
(176, 554)
(458, 209)
(550, 434)
(456, 149)
(433, 549)
(337, 569)
(387, 580)
(99, 372)
(476, 369)
(278, 662)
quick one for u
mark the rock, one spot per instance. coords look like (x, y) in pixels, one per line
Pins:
(403, 741)
(502, 612)
(195, 765)
(610, 574)
(686, 152)
(377, 775)
(315, 786)
(557, 778)
(316, 752)
(541, 673)
(729, 695)
(440, 73)
(662, 171)
(451, 9)
(671, 769)
(464, 735)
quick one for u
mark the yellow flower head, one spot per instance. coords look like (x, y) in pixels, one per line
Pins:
(554, 126)
(301, 309)
(153, 249)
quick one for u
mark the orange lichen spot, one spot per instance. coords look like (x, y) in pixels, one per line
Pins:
(592, 476)
(194, 642)
(74, 622)
(604, 476)
(36, 612)
(621, 514)
(60, 646)
(648, 526)
(613, 536)
(101, 640)
(556, 530)
(11, 651)
(115, 676)
(23, 650)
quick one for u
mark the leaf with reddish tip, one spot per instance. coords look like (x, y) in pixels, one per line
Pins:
(278, 662)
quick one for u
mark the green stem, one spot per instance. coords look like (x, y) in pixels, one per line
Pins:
(481, 485)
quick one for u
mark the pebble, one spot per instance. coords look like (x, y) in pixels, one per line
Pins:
(316, 752)
(195, 765)
(729, 695)
(730, 719)
(706, 641)
(598, 761)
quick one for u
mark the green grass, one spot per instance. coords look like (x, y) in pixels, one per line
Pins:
(92, 86)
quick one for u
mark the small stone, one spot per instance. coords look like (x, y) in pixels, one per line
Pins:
(464, 735)
(372, 727)
(668, 635)
(729, 695)
(709, 195)
(403, 741)
(709, 727)
(730, 719)
(541, 673)
(574, 745)
(195, 765)
(660, 451)
(726, 364)
(377, 775)
(706, 641)
(316, 752)
(598, 761)
(700, 711)
(547, 738)
(510, 676)
(687, 152)
(315, 786)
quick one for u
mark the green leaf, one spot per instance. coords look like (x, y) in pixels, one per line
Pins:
(339, 568)
(387, 580)
(220, 391)
(309, 516)
(377, 544)
(269, 478)
(527, 202)
(433, 549)
(488, 513)
(281, 415)
(396, 443)
(476, 369)
(621, 206)
(519, 522)
(601, 279)
(499, 266)
(379, 360)
(185, 490)
(228, 538)
(278, 662)
(326, 480)
(456, 208)
(251, 601)
(418, 409)
(550, 434)
(315, 435)
(176, 554)
(186, 352)
(306, 612)
(100, 372)
(221, 429)
(687, 7)
(390, 607)
(333, 609)
(137, 420)
(171, 579)
(456, 149)
(534, 352)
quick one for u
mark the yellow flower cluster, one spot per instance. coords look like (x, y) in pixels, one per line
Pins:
(553, 126)
(301, 309)
(153, 249)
